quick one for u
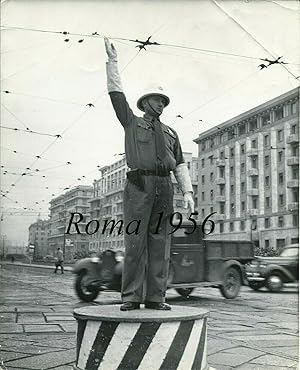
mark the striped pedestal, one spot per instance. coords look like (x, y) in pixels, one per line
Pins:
(109, 339)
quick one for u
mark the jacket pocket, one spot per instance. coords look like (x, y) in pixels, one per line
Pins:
(144, 133)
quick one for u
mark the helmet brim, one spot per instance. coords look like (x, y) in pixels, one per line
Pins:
(139, 102)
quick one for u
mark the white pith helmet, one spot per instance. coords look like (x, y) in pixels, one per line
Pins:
(153, 90)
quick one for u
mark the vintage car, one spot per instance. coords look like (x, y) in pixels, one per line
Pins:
(274, 272)
(195, 263)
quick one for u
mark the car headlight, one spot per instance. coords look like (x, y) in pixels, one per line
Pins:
(95, 259)
(262, 266)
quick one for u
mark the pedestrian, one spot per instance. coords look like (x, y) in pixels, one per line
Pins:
(152, 151)
(60, 261)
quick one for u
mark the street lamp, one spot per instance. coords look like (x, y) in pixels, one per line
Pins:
(62, 219)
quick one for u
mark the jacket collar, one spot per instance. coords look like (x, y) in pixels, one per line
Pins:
(150, 118)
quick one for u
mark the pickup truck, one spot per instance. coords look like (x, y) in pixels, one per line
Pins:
(274, 272)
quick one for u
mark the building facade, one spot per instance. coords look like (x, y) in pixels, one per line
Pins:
(75, 200)
(249, 174)
(106, 206)
(38, 237)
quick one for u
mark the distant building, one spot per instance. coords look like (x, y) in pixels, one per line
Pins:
(38, 234)
(61, 207)
(249, 174)
(107, 202)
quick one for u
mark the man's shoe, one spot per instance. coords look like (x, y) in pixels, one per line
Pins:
(158, 306)
(129, 306)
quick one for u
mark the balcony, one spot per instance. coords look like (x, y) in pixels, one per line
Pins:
(293, 161)
(252, 212)
(253, 172)
(220, 162)
(219, 216)
(220, 198)
(252, 192)
(293, 184)
(293, 206)
(220, 181)
(252, 151)
(291, 139)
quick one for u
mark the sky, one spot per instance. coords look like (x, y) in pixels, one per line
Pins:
(47, 82)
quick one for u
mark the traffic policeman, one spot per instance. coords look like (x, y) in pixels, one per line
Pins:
(152, 151)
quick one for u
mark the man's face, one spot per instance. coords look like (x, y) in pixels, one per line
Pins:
(154, 105)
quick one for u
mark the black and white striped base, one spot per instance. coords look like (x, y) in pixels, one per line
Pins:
(108, 339)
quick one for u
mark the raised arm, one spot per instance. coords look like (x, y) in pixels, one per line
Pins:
(114, 86)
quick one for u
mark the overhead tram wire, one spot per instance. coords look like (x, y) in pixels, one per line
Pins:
(27, 131)
(250, 35)
(17, 118)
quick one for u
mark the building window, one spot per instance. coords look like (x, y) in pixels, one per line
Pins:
(242, 225)
(278, 113)
(242, 167)
(266, 140)
(254, 144)
(295, 151)
(231, 152)
(203, 162)
(211, 194)
(222, 155)
(203, 147)
(254, 203)
(295, 195)
(280, 178)
(280, 221)
(222, 189)
(221, 227)
(212, 143)
(231, 171)
(280, 156)
(267, 202)
(242, 187)
(267, 223)
(253, 125)
(211, 209)
(254, 182)
(222, 172)
(266, 119)
(232, 189)
(242, 129)
(231, 226)
(293, 129)
(280, 135)
(267, 243)
(295, 240)
(243, 205)
(211, 177)
(294, 108)
(267, 160)
(203, 212)
(189, 165)
(232, 207)
(281, 199)
(222, 209)
(203, 179)
(203, 195)
(267, 181)
(242, 148)
(295, 173)
(211, 159)
(295, 219)
(253, 162)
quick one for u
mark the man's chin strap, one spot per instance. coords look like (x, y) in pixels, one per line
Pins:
(156, 113)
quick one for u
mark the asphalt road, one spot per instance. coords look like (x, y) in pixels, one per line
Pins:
(257, 330)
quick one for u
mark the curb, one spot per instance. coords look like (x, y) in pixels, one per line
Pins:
(47, 267)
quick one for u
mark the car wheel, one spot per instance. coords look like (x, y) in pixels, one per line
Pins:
(256, 285)
(81, 288)
(274, 282)
(231, 283)
(184, 292)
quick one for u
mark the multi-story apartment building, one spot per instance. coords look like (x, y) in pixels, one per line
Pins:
(61, 207)
(107, 202)
(249, 173)
(38, 235)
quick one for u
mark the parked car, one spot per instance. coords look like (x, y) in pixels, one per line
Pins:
(49, 258)
(274, 272)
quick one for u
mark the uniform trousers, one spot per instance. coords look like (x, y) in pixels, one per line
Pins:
(147, 253)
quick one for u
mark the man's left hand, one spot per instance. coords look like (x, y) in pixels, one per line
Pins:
(189, 201)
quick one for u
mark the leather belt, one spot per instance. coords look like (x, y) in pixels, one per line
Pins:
(158, 172)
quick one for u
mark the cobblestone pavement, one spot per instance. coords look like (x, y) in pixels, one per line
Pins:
(258, 330)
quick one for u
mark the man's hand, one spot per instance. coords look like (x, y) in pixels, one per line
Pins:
(189, 201)
(110, 50)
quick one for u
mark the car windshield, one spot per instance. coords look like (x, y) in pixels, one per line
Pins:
(290, 252)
